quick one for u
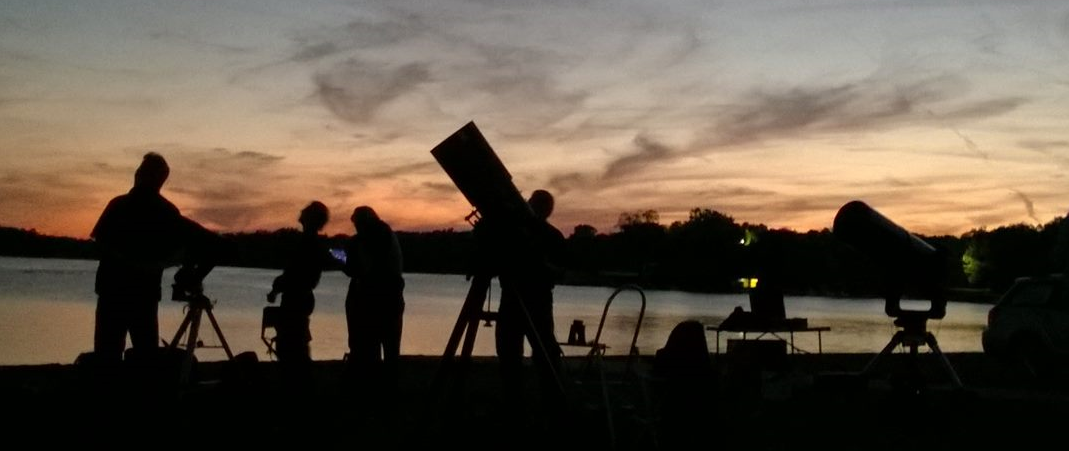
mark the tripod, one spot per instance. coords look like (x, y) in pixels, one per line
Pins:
(199, 304)
(913, 334)
(466, 329)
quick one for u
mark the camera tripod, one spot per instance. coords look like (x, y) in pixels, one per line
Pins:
(199, 304)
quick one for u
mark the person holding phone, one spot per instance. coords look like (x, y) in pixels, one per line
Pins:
(375, 303)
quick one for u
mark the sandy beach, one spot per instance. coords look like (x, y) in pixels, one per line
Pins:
(803, 401)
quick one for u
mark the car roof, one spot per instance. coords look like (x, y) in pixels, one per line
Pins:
(1055, 277)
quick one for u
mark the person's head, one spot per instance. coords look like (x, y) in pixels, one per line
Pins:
(541, 203)
(364, 217)
(152, 172)
(314, 216)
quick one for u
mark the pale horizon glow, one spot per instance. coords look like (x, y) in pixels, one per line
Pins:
(945, 116)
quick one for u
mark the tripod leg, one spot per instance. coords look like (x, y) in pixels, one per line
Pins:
(219, 333)
(539, 346)
(194, 329)
(181, 330)
(466, 324)
(895, 341)
(193, 319)
(472, 303)
(930, 339)
(469, 338)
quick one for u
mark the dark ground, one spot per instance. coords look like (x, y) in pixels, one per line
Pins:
(801, 401)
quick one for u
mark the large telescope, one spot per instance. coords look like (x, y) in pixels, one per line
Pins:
(479, 174)
(501, 218)
(907, 262)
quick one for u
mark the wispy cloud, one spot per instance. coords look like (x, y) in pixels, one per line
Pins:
(649, 151)
(1028, 205)
(197, 42)
(354, 90)
(253, 186)
(1057, 150)
(385, 173)
(870, 105)
(803, 112)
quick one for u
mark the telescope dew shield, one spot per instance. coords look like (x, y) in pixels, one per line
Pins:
(479, 174)
(906, 259)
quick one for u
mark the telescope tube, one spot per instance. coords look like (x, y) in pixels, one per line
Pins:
(905, 259)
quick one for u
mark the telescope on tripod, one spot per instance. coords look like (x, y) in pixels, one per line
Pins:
(909, 265)
(500, 219)
(188, 288)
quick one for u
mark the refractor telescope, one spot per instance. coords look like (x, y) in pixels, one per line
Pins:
(188, 285)
(908, 263)
(201, 252)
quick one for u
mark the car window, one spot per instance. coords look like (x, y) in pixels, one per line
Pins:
(1030, 294)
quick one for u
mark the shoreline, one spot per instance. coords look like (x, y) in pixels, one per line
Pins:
(612, 279)
(804, 401)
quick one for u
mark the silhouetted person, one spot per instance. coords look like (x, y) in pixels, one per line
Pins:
(528, 276)
(375, 304)
(686, 385)
(139, 234)
(304, 265)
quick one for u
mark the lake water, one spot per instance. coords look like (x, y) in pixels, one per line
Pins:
(47, 308)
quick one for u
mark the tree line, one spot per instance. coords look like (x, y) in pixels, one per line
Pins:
(707, 252)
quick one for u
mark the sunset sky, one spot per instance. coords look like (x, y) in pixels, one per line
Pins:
(945, 116)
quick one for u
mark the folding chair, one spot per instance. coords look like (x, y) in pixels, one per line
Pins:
(272, 314)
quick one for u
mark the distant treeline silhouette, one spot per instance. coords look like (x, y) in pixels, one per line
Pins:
(708, 252)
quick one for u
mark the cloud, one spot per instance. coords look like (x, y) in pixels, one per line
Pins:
(563, 183)
(526, 93)
(196, 42)
(354, 90)
(315, 51)
(441, 188)
(360, 34)
(970, 144)
(649, 152)
(229, 190)
(1028, 205)
(1044, 146)
(460, 65)
(765, 115)
(63, 200)
(389, 172)
(867, 105)
(244, 216)
(405, 170)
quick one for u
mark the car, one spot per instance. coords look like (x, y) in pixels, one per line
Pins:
(1029, 326)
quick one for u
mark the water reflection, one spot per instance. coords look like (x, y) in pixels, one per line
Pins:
(47, 307)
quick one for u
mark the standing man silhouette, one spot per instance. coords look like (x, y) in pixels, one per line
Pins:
(304, 266)
(139, 234)
(375, 304)
(527, 280)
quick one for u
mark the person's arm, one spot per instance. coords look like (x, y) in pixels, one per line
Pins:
(104, 231)
(351, 258)
(202, 251)
(302, 273)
